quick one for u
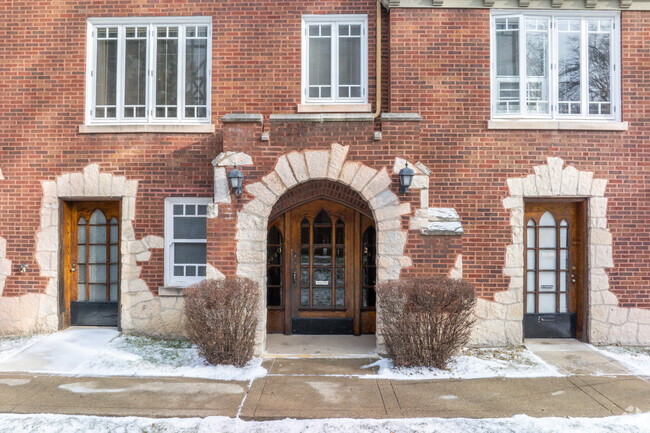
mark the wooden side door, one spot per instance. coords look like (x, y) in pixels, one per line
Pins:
(554, 281)
(322, 242)
(90, 265)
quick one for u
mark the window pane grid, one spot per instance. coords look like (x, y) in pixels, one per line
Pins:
(581, 49)
(188, 243)
(149, 72)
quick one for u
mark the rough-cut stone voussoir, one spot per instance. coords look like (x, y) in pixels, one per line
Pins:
(338, 154)
(283, 169)
(225, 159)
(317, 163)
(298, 165)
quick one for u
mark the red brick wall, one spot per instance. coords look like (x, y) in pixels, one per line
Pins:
(440, 67)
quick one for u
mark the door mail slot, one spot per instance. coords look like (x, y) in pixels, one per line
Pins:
(549, 318)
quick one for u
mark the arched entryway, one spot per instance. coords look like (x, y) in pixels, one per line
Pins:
(321, 269)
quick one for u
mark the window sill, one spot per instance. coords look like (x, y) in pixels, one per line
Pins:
(148, 128)
(334, 108)
(576, 125)
(171, 291)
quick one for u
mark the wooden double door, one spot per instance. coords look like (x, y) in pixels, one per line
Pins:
(90, 265)
(321, 271)
(554, 282)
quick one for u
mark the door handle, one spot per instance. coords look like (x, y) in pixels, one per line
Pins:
(295, 277)
(73, 268)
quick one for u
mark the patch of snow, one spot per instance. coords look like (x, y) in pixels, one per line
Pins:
(448, 397)
(14, 382)
(11, 345)
(637, 358)
(105, 352)
(473, 364)
(557, 393)
(520, 423)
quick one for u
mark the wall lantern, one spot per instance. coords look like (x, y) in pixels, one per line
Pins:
(405, 178)
(236, 179)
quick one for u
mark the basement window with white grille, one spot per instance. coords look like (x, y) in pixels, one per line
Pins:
(148, 70)
(556, 65)
(185, 240)
(334, 59)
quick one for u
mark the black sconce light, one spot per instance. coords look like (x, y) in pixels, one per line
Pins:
(236, 179)
(405, 178)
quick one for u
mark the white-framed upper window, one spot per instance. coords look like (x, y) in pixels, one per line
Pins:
(185, 240)
(334, 59)
(556, 65)
(148, 70)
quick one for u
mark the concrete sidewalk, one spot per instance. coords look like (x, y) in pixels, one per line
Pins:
(322, 388)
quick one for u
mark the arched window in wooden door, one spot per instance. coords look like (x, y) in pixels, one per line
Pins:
(369, 269)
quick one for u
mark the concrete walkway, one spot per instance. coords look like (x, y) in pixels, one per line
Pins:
(322, 388)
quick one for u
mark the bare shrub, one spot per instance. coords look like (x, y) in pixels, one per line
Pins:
(221, 319)
(425, 321)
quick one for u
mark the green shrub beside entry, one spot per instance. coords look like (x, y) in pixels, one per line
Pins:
(221, 319)
(425, 321)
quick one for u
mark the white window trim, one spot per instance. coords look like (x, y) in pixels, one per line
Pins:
(553, 76)
(361, 19)
(170, 279)
(151, 23)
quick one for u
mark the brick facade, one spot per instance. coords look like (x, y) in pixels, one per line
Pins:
(435, 62)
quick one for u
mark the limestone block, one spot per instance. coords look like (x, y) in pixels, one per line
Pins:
(317, 163)
(274, 183)
(598, 331)
(232, 158)
(584, 182)
(151, 241)
(442, 228)
(247, 256)
(456, 273)
(507, 297)
(257, 207)
(607, 298)
(482, 308)
(614, 334)
(390, 249)
(420, 181)
(387, 213)
(600, 223)
(597, 207)
(569, 181)
(221, 186)
(212, 273)
(629, 334)
(516, 287)
(283, 170)
(514, 271)
(391, 224)
(253, 271)
(260, 191)
(600, 256)
(349, 171)
(63, 187)
(247, 221)
(48, 239)
(643, 335)
(378, 184)
(384, 198)
(338, 154)
(298, 165)
(251, 235)
(76, 185)
(516, 187)
(135, 247)
(130, 188)
(424, 198)
(49, 188)
(91, 180)
(514, 332)
(555, 174)
(117, 186)
(143, 256)
(44, 259)
(128, 208)
(400, 163)
(530, 186)
(129, 271)
(598, 187)
(517, 235)
(388, 274)
(391, 237)
(517, 216)
(418, 223)
(362, 178)
(515, 256)
(512, 202)
(543, 180)
(600, 237)
(488, 333)
(638, 315)
(617, 315)
(105, 180)
(251, 245)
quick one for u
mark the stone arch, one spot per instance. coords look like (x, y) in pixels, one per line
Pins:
(607, 322)
(296, 168)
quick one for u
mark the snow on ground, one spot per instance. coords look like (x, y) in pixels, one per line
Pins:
(105, 352)
(635, 357)
(10, 345)
(474, 364)
(520, 423)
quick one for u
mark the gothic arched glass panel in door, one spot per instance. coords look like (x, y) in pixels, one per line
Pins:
(546, 265)
(97, 258)
(274, 262)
